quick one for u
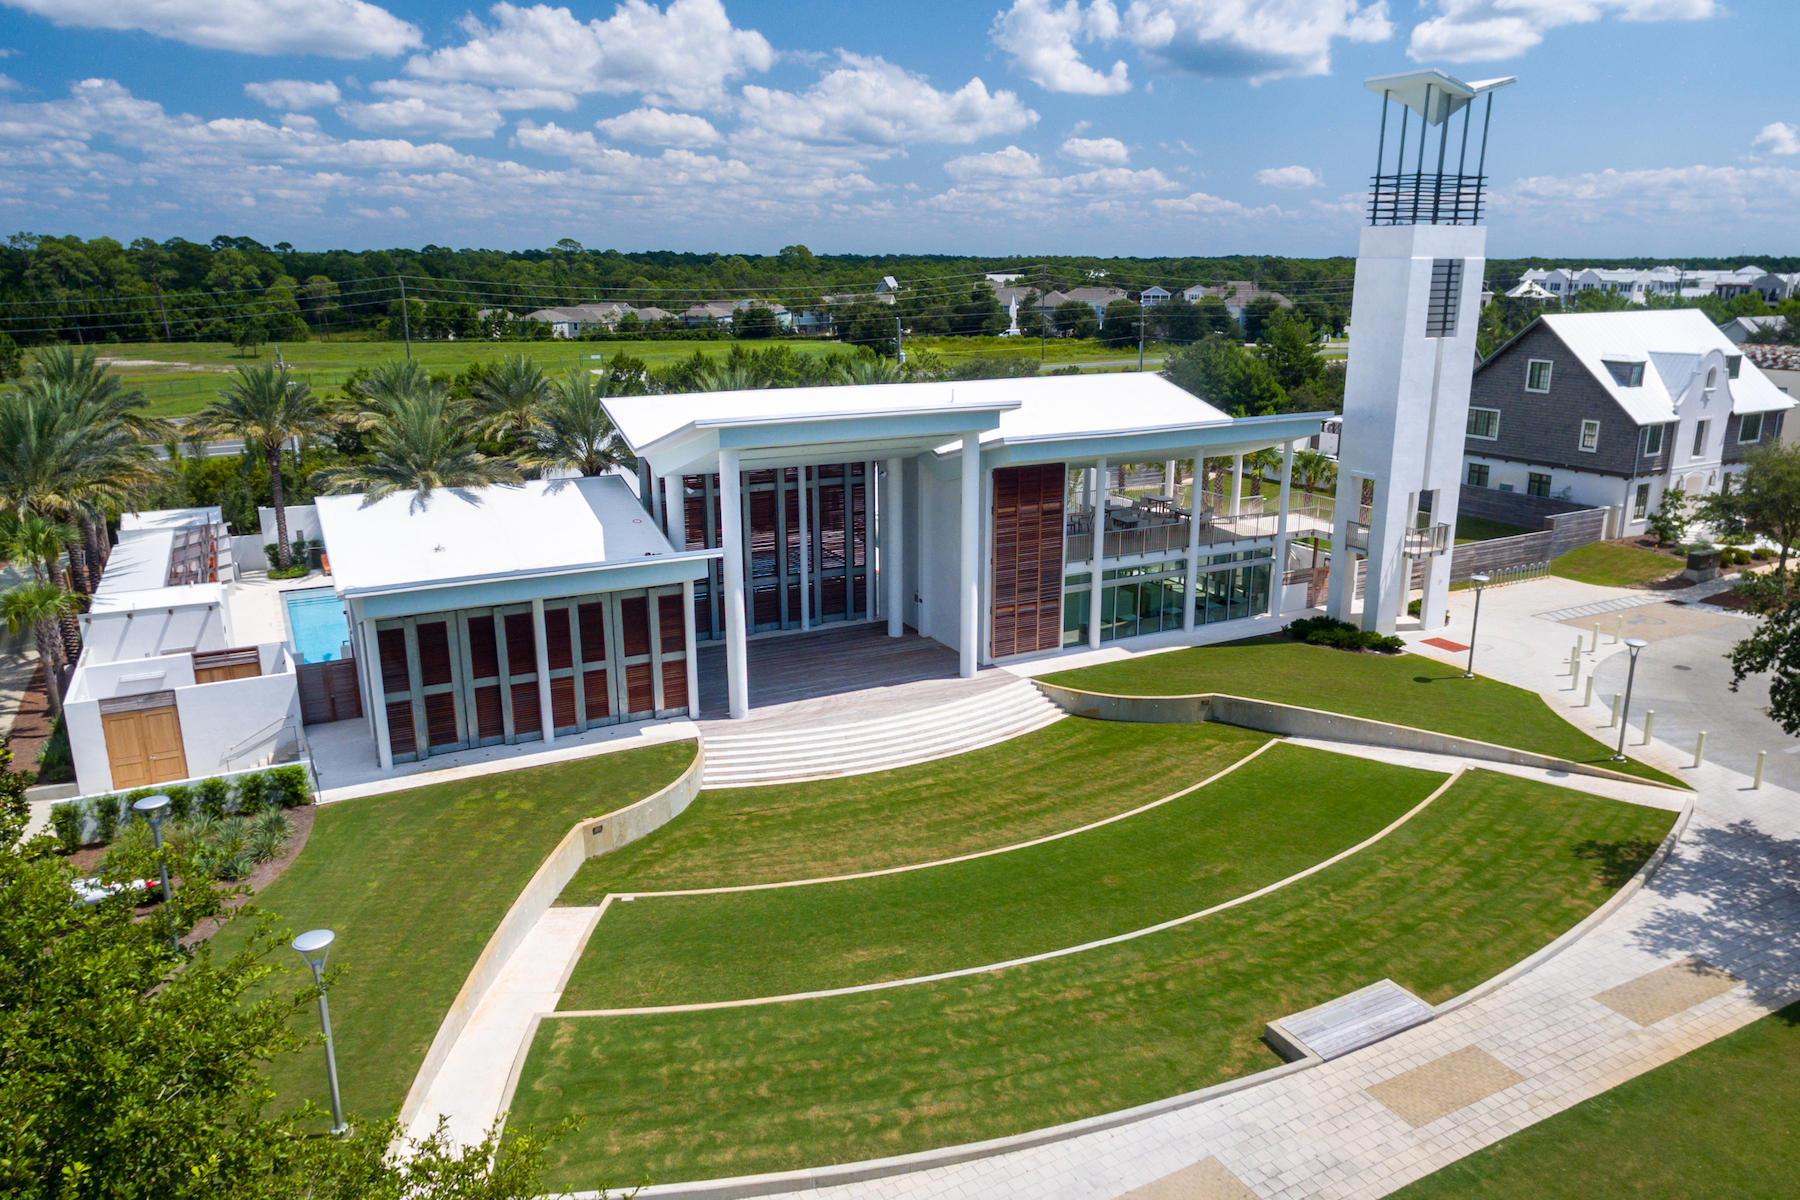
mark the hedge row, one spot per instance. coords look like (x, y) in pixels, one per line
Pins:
(99, 818)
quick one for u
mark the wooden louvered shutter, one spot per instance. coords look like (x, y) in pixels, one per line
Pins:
(634, 625)
(433, 639)
(391, 644)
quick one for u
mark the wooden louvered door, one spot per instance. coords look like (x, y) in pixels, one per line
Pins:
(484, 696)
(594, 634)
(1025, 613)
(436, 644)
(671, 651)
(559, 646)
(518, 638)
(633, 657)
(396, 674)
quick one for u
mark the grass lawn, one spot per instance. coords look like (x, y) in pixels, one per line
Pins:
(1613, 564)
(1048, 781)
(1480, 529)
(1191, 853)
(1492, 870)
(1720, 1121)
(1403, 688)
(1055, 351)
(413, 883)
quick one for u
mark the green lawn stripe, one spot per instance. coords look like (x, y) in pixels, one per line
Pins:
(1288, 809)
(1486, 874)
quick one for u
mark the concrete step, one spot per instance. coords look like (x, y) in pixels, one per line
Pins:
(848, 740)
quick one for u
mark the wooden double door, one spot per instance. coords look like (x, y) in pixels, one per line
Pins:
(143, 740)
(454, 680)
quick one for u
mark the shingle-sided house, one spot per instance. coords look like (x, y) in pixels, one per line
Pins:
(1610, 409)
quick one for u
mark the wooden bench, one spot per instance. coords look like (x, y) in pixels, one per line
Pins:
(1364, 1017)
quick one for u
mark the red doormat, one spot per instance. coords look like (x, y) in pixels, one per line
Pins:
(1446, 644)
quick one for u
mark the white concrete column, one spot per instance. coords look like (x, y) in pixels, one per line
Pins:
(1237, 483)
(1101, 500)
(543, 671)
(384, 753)
(731, 537)
(657, 485)
(693, 648)
(805, 550)
(892, 574)
(1281, 528)
(1169, 479)
(1193, 551)
(968, 580)
(675, 511)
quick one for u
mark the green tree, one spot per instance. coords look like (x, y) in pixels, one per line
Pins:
(1228, 376)
(35, 542)
(573, 431)
(1668, 524)
(508, 395)
(978, 314)
(1291, 349)
(1074, 318)
(40, 607)
(867, 369)
(1123, 323)
(266, 408)
(1774, 648)
(756, 320)
(417, 437)
(1764, 500)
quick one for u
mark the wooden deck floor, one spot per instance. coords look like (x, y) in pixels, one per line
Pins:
(849, 672)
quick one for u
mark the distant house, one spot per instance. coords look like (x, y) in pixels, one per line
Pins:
(576, 319)
(711, 312)
(1530, 289)
(1639, 284)
(1612, 409)
(1096, 298)
(1150, 297)
(1739, 329)
(1776, 288)
(1238, 295)
(1001, 278)
(887, 286)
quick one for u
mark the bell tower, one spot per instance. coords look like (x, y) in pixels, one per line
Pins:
(1419, 269)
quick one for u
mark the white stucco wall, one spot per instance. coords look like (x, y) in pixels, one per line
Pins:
(147, 632)
(940, 512)
(302, 521)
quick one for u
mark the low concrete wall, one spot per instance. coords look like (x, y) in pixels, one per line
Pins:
(588, 839)
(1292, 720)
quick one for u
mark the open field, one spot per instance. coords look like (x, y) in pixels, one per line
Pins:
(1402, 688)
(1720, 1121)
(1614, 564)
(413, 883)
(1490, 871)
(1057, 778)
(180, 378)
(1193, 852)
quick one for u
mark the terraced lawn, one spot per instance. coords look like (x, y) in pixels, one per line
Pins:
(414, 883)
(1402, 688)
(1281, 812)
(1054, 779)
(1719, 1121)
(1490, 871)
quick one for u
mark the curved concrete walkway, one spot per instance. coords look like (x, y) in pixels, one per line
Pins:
(1707, 947)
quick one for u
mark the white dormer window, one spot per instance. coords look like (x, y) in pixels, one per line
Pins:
(1627, 374)
(1750, 427)
(1590, 436)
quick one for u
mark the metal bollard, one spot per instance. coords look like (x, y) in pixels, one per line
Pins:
(1618, 698)
(1590, 693)
(1649, 720)
(1699, 747)
(1594, 642)
(1619, 631)
(1762, 759)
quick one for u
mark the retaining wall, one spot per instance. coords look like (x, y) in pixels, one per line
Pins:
(588, 839)
(1292, 720)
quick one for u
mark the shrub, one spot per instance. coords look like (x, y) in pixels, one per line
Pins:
(1762, 554)
(297, 571)
(1341, 635)
(269, 832)
(181, 800)
(66, 822)
(12, 785)
(213, 794)
(272, 552)
(105, 811)
(251, 793)
(289, 786)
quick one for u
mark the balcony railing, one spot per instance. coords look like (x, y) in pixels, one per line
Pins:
(1419, 543)
(1425, 198)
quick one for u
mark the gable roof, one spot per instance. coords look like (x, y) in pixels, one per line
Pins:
(1673, 342)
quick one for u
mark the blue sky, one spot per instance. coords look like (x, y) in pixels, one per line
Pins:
(1653, 127)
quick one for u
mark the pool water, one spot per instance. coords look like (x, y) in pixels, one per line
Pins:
(320, 628)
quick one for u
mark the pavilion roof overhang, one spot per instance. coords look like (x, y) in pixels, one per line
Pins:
(764, 442)
(1242, 435)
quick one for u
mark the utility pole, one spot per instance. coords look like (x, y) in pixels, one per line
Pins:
(1140, 334)
(405, 319)
(899, 342)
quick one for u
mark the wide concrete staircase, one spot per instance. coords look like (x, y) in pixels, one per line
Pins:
(923, 723)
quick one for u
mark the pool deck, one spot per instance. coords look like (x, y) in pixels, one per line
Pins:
(257, 612)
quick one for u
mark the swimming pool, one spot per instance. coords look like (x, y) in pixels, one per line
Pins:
(319, 626)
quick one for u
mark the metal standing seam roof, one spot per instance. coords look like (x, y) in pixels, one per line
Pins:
(1667, 339)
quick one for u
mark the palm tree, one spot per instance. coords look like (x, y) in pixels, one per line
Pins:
(418, 439)
(74, 444)
(507, 398)
(867, 369)
(35, 541)
(39, 607)
(265, 408)
(573, 430)
(730, 377)
(1314, 470)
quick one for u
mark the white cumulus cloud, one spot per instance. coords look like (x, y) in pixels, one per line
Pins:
(454, 110)
(873, 102)
(334, 28)
(1289, 177)
(1488, 30)
(1008, 163)
(293, 95)
(1778, 137)
(683, 55)
(655, 127)
(1254, 39)
(1106, 151)
(1039, 39)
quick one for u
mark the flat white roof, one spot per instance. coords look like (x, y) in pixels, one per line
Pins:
(1063, 407)
(171, 518)
(1674, 340)
(182, 596)
(467, 534)
(139, 563)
